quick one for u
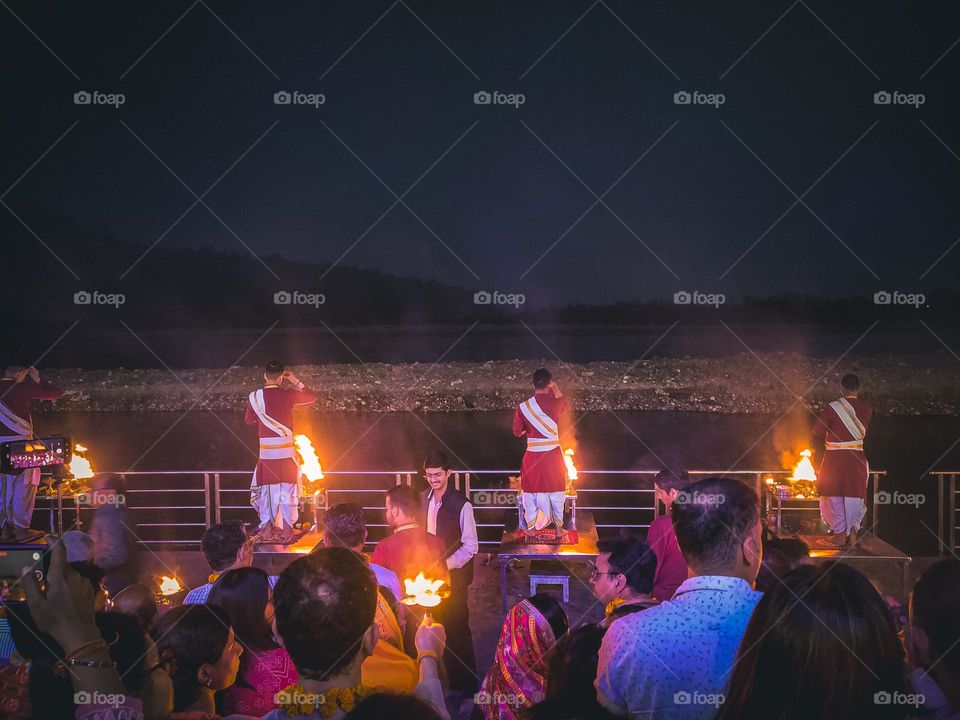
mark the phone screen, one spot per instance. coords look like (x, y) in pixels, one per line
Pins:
(13, 558)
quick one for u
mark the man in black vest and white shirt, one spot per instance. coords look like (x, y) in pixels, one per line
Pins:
(449, 516)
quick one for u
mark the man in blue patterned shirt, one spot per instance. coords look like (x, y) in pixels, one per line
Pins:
(674, 660)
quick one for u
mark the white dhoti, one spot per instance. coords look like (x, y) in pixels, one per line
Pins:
(843, 514)
(538, 510)
(278, 499)
(19, 493)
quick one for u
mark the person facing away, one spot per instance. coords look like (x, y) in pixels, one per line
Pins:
(20, 387)
(113, 531)
(517, 679)
(274, 488)
(780, 556)
(933, 639)
(653, 663)
(832, 655)
(325, 605)
(265, 667)
(225, 546)
(844, 471)
(622, 577)
(409, 549)
(449, 517)
(345, 525)
(543, 474)
(671, 567)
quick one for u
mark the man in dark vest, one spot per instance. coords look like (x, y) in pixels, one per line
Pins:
(449, 516)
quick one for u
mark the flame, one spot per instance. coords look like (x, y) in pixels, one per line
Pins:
(422, 591)
(571, 468)
(804, 468)
(169, 585)
(80, 466)
(309, 462)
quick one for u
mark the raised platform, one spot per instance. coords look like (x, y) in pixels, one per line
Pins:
(301, 546)
(868, 549)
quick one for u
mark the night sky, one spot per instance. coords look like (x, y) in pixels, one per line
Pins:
(598, 188)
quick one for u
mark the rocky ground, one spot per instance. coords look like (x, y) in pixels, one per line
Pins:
(747, 383)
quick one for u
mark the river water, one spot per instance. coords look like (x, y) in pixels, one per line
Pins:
(906, 447)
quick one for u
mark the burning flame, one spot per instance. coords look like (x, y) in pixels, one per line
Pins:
(80, 466)
(804, 468)
(568, 461)
(422, 591)
(169, 585)
(309, 462)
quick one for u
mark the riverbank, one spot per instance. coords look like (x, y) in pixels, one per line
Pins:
(742, 384)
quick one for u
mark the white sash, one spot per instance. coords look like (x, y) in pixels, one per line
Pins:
(22, 429)
(848, 416)
(273, 448)
(543, 423)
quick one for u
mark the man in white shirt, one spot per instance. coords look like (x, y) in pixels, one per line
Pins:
(674, 660)
(450, 517)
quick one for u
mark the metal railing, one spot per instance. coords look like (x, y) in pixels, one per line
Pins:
(947, 541)
(625, 497)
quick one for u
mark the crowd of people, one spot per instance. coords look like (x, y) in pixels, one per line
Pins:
(701, 619)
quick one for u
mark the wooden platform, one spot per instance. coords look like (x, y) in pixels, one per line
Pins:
(513, 546)
(867, 549)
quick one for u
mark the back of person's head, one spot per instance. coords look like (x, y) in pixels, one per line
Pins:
(553, 611)
(541, 378)
(109, 481)
(572, 664)
(189, 637)
(274, 369)
(935, 613)
(780, 556)
(94, 575)
(392, 706)
(221, 544)
(138, 601)
(716, 523)
(669, 479)
(631, 557)
(829, 654)
(127, 647)
(345, 526)
(436, 459)
(325, 604)
(406, 499)
(244, 594)
(850, 383)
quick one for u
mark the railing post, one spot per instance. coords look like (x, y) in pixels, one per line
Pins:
(216, 495)
(466, 485)
(876, 491)
(953, 511)
(206, 498)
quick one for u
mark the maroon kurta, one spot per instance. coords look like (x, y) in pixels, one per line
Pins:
(19, 397)
(541, 472)
(843, 473)
(279, 404)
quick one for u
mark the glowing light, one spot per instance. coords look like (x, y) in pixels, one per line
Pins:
(169, 585)
(423, 591)
(80, 466)
(804, 468)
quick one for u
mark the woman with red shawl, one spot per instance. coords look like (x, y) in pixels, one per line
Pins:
(516, 680)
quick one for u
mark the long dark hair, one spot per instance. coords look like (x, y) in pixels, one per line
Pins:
(244, 594)
(553, 611)
(819, 645)
(189, 637)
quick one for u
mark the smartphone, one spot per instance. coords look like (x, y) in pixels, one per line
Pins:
(13, 558)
